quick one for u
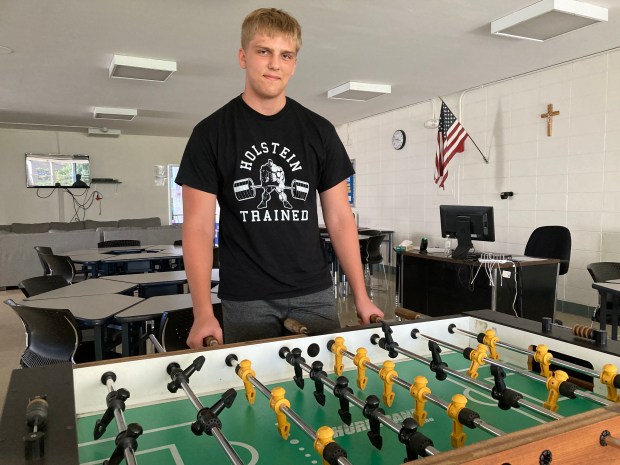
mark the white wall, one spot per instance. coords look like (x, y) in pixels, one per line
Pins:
(130, 159)
(570, 179)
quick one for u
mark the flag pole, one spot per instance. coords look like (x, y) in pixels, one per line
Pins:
(486, 160)
(473, 142)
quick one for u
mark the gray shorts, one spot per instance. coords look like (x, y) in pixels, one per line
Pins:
(263, 319)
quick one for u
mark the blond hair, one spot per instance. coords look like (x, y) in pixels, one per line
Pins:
(271, 22)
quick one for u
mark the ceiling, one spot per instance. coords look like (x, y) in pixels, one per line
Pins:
(58, 71)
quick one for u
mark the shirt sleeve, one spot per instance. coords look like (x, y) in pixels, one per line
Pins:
(198, 165)
(337, 166)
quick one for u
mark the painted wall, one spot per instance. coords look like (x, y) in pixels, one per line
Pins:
(130, 159)
(570, 179)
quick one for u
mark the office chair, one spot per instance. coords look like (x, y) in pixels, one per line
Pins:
(43, 250)
(52, 336)
(175, 327)
(601, 272)
(550, 242)
(40, 284)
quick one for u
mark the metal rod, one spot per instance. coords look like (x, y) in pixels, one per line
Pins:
(128, 452)
(480, 384)
(527, 374)
(435, 400)
(555, 361)
(287, 411)
(156, 343)
(228, 450)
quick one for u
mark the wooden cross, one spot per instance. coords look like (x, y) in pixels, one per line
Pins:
(549, 115)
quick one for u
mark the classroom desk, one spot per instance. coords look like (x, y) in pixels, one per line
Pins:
(436, 285)
(151, 309)
(86, 288)
(93, 310)
(611, 289)
(152, 284)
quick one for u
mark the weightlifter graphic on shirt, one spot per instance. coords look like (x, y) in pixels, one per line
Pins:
(271, 179)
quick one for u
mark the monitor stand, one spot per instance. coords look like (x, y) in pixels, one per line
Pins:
(463, 237)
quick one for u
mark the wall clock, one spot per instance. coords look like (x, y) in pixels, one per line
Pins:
(398, 139)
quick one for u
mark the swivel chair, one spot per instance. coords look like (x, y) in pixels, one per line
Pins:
(550, 242)
(601, 272)
(52, 336)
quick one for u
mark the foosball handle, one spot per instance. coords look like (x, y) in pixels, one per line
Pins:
(406, 314)
(374, 318)
(295, 327)
(209, 341)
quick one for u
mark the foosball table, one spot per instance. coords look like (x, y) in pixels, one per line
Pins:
(477, 388)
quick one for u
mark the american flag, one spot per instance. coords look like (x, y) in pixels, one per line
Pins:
(450, 141)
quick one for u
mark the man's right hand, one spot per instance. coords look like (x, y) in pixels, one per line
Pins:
(202, 328)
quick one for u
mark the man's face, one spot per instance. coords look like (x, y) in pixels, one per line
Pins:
(269, 63)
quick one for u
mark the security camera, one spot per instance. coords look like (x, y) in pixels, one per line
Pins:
(505, 195)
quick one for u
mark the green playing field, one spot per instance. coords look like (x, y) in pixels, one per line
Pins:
(168, 440)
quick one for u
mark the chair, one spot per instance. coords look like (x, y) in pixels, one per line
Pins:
(601, 272)
(60, 265)
(52, 336)
(550, 242)
(178, 243)
(175, 327)
(372, 256)
(40, 284)
(43, 250)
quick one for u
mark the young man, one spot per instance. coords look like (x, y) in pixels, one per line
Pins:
(263, 156)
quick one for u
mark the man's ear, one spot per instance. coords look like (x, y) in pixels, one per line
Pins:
(242, 59)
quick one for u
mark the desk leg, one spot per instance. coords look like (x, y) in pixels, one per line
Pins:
(615, 308)
(98, 331)
(126, 339)
(494, 290)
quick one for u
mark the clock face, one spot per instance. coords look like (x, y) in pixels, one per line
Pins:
(398, 139)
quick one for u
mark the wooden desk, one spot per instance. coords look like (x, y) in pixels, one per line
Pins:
(436, 285)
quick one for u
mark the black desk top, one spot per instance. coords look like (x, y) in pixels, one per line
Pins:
(440, 256)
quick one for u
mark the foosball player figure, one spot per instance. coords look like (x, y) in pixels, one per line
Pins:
(460, 415)
(476, 356)
(419, 390)
(557, 385)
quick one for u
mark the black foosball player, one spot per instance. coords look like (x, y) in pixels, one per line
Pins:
(263, 157)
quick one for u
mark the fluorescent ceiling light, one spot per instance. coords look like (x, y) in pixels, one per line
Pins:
(104, 132)
(358, 91)
(125, 114)
(145, 69)
(547, 19)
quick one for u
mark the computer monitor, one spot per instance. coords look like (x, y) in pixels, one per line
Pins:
(466, 222)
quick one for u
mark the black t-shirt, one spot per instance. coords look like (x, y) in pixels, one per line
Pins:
(265, 171)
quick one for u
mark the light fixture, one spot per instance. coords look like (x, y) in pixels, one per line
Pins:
(104, 132)
(144, 69)
(125, 114)
(358, 91)
(547, 19)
